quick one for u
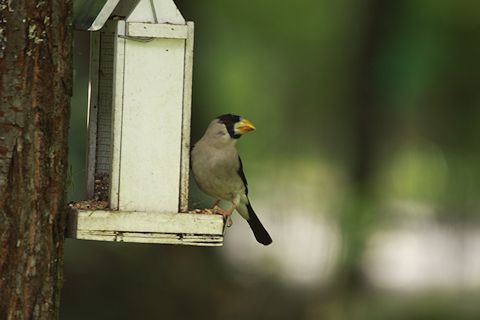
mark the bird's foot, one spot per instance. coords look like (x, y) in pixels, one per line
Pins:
(227, 215)
(205, 211)
(218, 210)
(215, 204)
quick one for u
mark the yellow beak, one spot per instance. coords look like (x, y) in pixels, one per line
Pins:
(244, 126)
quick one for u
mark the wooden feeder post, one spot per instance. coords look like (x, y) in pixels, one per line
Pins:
(139, 126)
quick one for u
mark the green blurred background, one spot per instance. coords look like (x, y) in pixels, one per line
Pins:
(364, 168)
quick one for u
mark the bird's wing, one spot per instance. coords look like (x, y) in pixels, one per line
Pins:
(242, 175)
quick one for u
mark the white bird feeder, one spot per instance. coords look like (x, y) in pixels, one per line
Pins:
(141, 55)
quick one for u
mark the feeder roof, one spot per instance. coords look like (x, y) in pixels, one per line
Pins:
(91, 14)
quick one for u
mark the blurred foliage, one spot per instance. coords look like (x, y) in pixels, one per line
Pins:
(359, 106)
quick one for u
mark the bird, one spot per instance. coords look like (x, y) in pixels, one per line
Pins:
(218, 169)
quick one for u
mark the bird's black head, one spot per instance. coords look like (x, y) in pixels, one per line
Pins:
(230, 120)
(236, 125)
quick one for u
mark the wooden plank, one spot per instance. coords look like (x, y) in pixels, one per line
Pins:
(118, 75)
(156, 30)
(186, 120)
(146, 227)
(137, 237)
(151, 129)
(92, 112)
(131, 221)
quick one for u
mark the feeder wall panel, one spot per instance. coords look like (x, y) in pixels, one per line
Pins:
(151, 124)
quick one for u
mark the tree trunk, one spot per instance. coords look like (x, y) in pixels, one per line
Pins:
(35, 90)
(368, 122)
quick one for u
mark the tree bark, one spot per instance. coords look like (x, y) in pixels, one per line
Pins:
(35, 90)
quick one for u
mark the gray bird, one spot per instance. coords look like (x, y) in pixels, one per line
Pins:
(218, 171)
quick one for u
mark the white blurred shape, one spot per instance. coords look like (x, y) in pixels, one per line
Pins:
(424, 254)
(305, 243)
(303, 251)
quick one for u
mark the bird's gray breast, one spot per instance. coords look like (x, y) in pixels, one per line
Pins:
(216, 171)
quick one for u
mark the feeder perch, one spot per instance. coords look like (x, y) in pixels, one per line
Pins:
(141, 55)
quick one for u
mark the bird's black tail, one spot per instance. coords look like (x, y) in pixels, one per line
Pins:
(258, 229)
